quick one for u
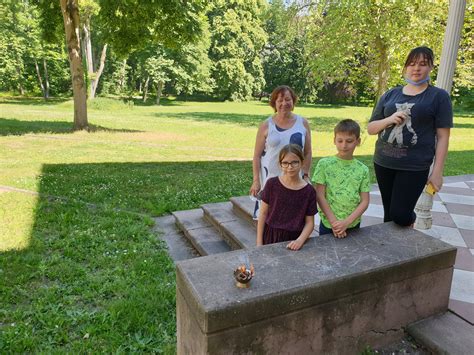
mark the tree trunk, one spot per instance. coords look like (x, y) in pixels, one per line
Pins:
(20, 84)
(159, 88)
(145, 88)
(70, 11)
(46, 79)
(383, 66)
(123, 74)
(40, 81)
(87, 52)
(96, 77)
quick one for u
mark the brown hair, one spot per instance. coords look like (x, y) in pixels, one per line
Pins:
(281, 90)
(348, 126)
(291, 148)
(424, 52)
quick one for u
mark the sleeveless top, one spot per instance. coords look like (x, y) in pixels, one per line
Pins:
(277, 138)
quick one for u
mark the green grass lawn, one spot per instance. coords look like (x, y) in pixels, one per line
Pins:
(80, 270)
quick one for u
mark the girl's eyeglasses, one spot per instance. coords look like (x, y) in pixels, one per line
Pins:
(286, 164)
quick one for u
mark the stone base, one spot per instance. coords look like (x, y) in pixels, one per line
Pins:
(310, 308)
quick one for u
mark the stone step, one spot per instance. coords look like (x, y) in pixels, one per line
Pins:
(236, 230)
(243, 206)
(179, 247)
(200, 232)
(444, 334)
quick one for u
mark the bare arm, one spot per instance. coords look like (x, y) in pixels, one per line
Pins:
(397, 118)
(308, 150)
(257, 155)
(442, 144)
(305, 233)
(261, 222)
(323, 203)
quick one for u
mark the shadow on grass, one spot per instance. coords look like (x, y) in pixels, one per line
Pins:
(151, 101)
(94, 278)
(37, 101)
(463, 125)
(151, 188)
(462, 112)
(320, 123)
(19, 127)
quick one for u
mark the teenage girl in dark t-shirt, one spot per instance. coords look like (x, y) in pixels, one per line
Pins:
(288, 203)
(413, 124)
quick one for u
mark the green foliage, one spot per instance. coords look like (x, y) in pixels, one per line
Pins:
(364, 43)
(237, 38)
(328, 51)
(129, 24)
(284, 59)
(21, 46)
(159, 68)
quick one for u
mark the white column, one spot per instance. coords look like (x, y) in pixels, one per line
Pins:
(452, 36)
(444, 80)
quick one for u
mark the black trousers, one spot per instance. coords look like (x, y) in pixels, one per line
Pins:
(400, 191)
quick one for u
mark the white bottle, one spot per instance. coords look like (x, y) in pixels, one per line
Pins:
(424, 218)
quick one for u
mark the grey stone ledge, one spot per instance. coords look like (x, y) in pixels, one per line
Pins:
(324, 268)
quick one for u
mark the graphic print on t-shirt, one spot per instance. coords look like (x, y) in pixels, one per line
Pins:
(396, 134)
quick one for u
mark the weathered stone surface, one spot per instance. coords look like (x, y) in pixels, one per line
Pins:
(190, 219)
(244, 207)
(239, 232)
(207, 241)
(334, 295)
(200, 232)
(223, 217)
(444, 334)
(217, 213)
(179, 247)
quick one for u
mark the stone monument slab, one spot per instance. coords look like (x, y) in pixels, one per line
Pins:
(334, 295)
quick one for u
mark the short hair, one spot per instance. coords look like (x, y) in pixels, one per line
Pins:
(280, 90)
(418, 52)
(348, 126)
(291, 148)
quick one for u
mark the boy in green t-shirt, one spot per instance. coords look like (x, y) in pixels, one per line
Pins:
(342, 183)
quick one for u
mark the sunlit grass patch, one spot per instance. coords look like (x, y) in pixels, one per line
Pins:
(17, 214)
(91, 280)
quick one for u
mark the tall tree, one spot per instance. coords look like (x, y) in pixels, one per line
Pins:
(14, 39)
(284, 59)
(70, 11)
(356, 40)
(159, 68)
(127, 25)
(237, 39)
(89, 9)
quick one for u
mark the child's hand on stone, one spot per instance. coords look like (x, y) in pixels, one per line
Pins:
(295, 244)
(339, 228)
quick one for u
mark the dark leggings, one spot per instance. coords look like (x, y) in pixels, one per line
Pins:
(400, 191)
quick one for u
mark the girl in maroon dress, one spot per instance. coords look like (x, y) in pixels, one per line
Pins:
(288, 203)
